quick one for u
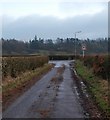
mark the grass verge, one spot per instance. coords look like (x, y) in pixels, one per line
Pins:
(12, 88)
(97, 86)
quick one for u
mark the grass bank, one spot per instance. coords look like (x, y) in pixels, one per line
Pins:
(96, 85)
(12, 88)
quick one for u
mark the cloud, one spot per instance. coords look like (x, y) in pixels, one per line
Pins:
(48, 20)
(37, 1)
(51, 27)
(60, 9)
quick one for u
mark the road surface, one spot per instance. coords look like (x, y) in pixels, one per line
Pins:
(47, 99)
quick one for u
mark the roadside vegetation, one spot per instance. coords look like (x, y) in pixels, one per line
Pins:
(94, 70)
(17, 80)
(13, 66)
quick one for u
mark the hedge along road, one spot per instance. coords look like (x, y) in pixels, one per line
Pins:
(53, 96)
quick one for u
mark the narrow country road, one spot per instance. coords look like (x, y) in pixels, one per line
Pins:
(48, 99)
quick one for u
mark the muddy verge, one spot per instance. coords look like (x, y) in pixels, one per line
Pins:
(85, 97)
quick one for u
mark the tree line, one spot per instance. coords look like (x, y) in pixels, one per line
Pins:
(34, 46)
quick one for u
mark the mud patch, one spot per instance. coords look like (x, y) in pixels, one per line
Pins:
(85, 98)
(44, 113)
(43, 106)
(58, 78)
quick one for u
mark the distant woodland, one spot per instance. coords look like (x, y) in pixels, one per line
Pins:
(58, 46)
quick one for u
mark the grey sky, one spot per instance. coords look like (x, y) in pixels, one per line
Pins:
(52, 19)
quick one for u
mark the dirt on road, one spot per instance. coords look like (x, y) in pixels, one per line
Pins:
(53, 96)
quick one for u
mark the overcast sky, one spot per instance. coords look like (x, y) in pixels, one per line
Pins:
(22, 19)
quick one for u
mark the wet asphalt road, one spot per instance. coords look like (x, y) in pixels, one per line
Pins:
(67, 105)
(48, 100)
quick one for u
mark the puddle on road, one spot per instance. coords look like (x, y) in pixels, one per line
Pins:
(59, 63)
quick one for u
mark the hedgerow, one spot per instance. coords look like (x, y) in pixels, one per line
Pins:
(99, 64)
(13, 66)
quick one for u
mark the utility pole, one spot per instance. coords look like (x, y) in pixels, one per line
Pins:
(75, 43)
